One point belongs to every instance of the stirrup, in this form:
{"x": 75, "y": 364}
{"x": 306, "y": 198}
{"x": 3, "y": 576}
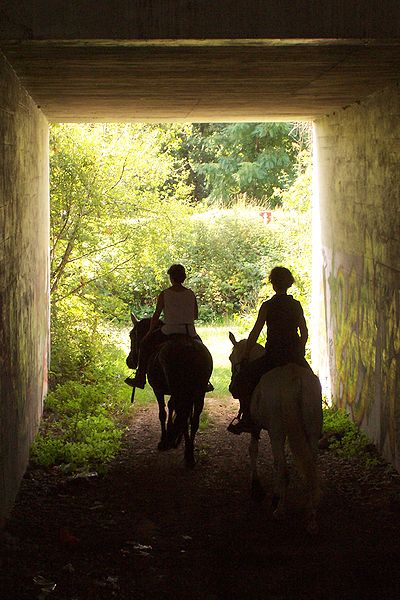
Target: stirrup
{"x": 135, "y": 383}
{"x": 240, "y": 427}
{"x": 233, "y": 425}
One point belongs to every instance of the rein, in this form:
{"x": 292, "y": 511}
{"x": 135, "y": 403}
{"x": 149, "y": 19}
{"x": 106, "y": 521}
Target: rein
{"x": 236, "y": 367}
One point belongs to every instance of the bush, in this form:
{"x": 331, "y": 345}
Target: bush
{"x": 83, "y": 347}
{"x": 346, "y": 439}
{"x": 87, "y": 395}
{"x": 79, "y": 428}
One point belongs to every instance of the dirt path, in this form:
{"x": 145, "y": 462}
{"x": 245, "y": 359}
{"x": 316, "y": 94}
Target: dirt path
{"x": 151, "y": 529}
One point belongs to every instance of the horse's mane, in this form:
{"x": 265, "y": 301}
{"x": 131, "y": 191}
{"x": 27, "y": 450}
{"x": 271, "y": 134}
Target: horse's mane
{"x": 257, "y": 351}
{"x": 141, "y": 327}
{"x": 240, "y": 347}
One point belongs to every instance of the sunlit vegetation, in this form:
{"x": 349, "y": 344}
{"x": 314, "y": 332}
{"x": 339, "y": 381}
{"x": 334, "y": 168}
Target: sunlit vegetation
{"x": 229, "y": 201}
{"x": 343, "y": 437}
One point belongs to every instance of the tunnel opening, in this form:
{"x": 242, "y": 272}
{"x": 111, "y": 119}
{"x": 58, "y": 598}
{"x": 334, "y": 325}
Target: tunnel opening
{"x": 117, "y": 221}
{"x": 350, "y": 89}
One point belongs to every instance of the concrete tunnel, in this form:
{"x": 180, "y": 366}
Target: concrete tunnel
{"x": 333, "y": 62}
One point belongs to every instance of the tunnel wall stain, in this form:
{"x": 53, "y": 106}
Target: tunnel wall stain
{"x": 24, "y": 287}
{"x": 359, "y": 192}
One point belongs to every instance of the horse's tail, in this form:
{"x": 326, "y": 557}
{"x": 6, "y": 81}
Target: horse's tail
{"x": 187, "y": 367}
{"x": 300, "y": 414}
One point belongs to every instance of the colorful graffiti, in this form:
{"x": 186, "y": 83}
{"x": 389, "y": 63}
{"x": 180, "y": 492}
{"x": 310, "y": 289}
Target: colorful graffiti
{"x": 364, "y": 343}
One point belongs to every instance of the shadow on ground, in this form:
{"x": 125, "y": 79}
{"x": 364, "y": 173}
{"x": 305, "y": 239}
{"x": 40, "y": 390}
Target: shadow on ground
{"x": 151, "y": 529}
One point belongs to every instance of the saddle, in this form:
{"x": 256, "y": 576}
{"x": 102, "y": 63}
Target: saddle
{"x": 179, "y": 341}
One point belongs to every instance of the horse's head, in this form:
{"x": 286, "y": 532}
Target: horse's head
{"x": 238, "y": 351}
{"x": 137, "y": 333}
{"x": 238, "y": 358}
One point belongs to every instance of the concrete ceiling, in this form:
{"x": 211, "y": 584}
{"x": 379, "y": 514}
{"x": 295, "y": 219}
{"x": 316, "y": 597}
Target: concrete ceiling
{"x": 203, "y": 81}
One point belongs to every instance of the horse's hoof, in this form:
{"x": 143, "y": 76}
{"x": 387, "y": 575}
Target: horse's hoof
{"x": 275, "y": 501}
{"x": 190, "y": 461}
{"x": 278, "y": 514}
{"x": 177, "y": 441}
{"x": 163, "y": 445}
{"x": 257, "y": 491}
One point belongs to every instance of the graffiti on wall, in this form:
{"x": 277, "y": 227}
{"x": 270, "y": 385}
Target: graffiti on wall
{"x": 364, "y": 342}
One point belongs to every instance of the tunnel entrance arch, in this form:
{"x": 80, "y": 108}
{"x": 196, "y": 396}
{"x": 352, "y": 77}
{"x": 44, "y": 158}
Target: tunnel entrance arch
{"x": 345, "y": 79}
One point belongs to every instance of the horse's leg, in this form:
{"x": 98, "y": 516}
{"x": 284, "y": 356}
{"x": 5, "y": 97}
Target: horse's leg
{"x": 257, "y": 491}
{"x": 313, "y": 494}
{"x": 280, "y": 473}
{"x": 175, "y": 424}
{"x": 162, "y": 415}
{"x": 194, "y": 427}
{"x": 189, "y": 449}
{"x": 133, "y": 395}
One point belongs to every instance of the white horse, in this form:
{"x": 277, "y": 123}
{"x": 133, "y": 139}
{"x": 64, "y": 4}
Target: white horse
{"x": 287, "y": 402}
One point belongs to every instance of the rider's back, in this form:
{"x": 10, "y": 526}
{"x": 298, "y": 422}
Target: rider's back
{"x": 179, "y": 312}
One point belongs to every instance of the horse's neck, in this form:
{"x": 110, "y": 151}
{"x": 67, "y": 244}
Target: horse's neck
{"x": 256, "y": 352}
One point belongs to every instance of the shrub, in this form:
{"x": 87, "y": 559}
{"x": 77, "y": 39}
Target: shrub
{"x": 346, "y": 439}
{"x": 78, "y": 429}
{"x": 87, "y": 395}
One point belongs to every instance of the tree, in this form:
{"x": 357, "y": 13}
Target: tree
{"x": 244, "y": 159}
{"x": 106, "y": 182}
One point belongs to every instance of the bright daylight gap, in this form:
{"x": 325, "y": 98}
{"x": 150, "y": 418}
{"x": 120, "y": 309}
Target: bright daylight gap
{"x": 228, "y": 200}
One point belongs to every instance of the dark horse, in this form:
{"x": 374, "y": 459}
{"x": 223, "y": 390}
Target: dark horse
{"x": 180, "y": 368}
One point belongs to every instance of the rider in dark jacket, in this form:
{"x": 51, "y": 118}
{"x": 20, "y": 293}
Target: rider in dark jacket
{"x": 287, "y": 335}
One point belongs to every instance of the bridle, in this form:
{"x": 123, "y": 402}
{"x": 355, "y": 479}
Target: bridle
{"x": 235, "y": 369}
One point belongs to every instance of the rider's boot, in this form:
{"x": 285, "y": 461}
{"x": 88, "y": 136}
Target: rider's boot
{"x": 138, "y": 381}
{"x": 243, "y": 424}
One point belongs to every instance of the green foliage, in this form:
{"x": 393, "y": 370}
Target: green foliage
{"x": 107, "y": 183}
{"x": 230, "y": 251}
{"x": 126, "y": 202}
{"x": 83, "y": 348}
{"x": 87, "y": 399}
{"x": 77, "y": 431}
{"x": 82, "y": 443}
{"x": 245, "y": 159}
{"x": 122, "y": 211}
{"x": 346, "y": 439}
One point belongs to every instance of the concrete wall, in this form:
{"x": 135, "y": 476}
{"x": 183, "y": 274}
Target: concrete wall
{"x": 358, "y": 153}
{"x": 24, "y": 289}
{"x": 199, "y": 19}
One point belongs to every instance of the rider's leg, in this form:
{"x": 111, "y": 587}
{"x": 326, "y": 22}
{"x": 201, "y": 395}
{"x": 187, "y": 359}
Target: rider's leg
{"x": 210, "y": 386}
{"x": 244, "y": 423}
{"x": 242, "y": 388}
{"x": 147, "y": 347}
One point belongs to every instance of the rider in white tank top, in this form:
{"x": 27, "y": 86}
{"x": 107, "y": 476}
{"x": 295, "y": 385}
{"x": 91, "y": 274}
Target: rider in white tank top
{"x": 179, "y": 306}
{"x": 179, "y": 312}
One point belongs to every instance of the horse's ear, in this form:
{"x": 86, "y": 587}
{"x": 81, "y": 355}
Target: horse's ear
{"x": 232, "y": 338}
{"x": 134, "y": 319}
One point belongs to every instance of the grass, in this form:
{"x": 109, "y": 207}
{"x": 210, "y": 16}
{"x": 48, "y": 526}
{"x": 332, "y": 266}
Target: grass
{"x": 217, "y": 341}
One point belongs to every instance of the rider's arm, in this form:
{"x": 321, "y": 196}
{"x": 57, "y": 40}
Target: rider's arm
{"x": 258, "y": 325}
{"x": 156, "y": 315}
{"x": 303, "y": 331}
{"x": 196, "y": 309}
